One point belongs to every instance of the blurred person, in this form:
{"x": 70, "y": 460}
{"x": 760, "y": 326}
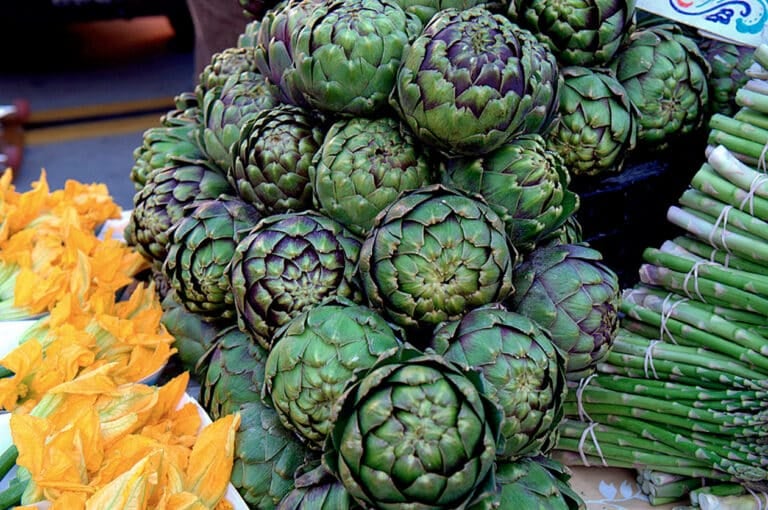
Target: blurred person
{"x": 218, "y": 24}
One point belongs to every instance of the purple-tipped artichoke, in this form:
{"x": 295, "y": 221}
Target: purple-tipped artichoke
{"x": 524, "y": 182}
{"x": 226, "y": 109}
{"x": 567, "y": 290}
{"x": 473, "y": 80}
{"x": 579, "y": 32}
{"x": 287, "y": 264}
{"x": 201, "y": 246}
{"x": 225, "y": 64}
{"x": 730, "y": 63}
{"x": 274, "y": 50}
{"x": 522, "y": 370}
{"x": 434, "y": 254}
{"x": 347, "y": 53}
{"x": 271, "y": 160}
{"x": 362, "y": 166}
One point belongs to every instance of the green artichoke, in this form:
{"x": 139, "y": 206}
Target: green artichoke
{"x": 250, "y": 34}
{"x": 597, "y": 125}
{"x": 202, "y": 244}
{"x": 362, "y": 166}
{"x": 160, "y": 204}
{"x": 346, "y": 54}
{"x": 666, "y": 78}
{"x": 318, "y": 489}
{"x": 524, "y": 183}
{"x": 579, "y": 32}
{"x": 267, "y": 456}
{"x": 434, "y": 254}
{"x": 415, "y": 432}
{"x": 730, "y": 63}
{"x": 315, "y": 357}
{"x": 233, "y": 372}
{"x": 474, "y": 80}
{"x": 162, "y": 146}
{"x": 271, "y": 160}
{"x": 193, "y": 336}
{"x": 523, "y": 373}
{"x": 225, "y": 109}
{"x": 567, "y": 290}
{"x": 225, "y": 64}
{"x": 532, "y": 483}
{"x": 288, "y": 263}
{"x": 274, "y": 50}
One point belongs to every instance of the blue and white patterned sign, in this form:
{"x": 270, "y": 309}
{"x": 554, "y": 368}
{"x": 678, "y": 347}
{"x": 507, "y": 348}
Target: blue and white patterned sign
{"x": 741, "y": 21}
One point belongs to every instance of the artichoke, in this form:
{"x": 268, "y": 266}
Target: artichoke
{"x": 434, "y": 254}
{"x": 248, "y": 38}
{"x": 162, "y": 146}
{"x": 665, "y": 76}
{"x": 271, "y": 160}
{"x": 226, "y": 109}
{"x": 362, "y": 166}
{"x": 202, "y": 244}
{"x": 317, "y": 489}
{"x": 524, "y": 183}
{"x": 314, "y": 359}
{"x": 579, "y": 32}
{"x": 523, "y": 372}
{"x": 567, "y": 290}
{"x": 474, "y": 80}
{"x": 597, "y": 125}
{"x": 160, "y": 204}
{"x": 233, "y": 372}
{"x": 415, "y": 432}
{"x": 730, "y": 63}
{"x": 274, "y": 49}
{"x": 225, "y": 64}
{"x": 266, "y": 457}
{"x": 532, "y": 483}
{"x": 288, "y": 263}
{"x": 346, "y": 54}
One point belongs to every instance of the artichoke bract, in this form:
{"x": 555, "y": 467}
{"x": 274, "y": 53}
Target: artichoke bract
{"x": 523, "y": 373}
{"x": 415, "y": 432}
{"x": 567, "y": 290}
{"x": 425, "y": 9}
{"x": 597, "y": 125}
{"x": 287, "y": 264}
{"x": 524, "y": 182}
{"x": 579, "y": 32}
{"x": 434, "y": 254}
{"x": 666, "y": 78}
{"x": 267, "y": 457}
{"x": 274, "y": 49}
{"x": 346, "y": 54}
{"x": 362, "y": 166}
{"x": 315, "y": 357}
{"x": 225, "y": 109}
{"x": 473, "y": 80}
{"x": 532, "y": 483}
{"x": 234, "y": 372}
{"x": 271, "y": 159}
{"x": 160, "y": 204}
{"x": 202, "y": 244}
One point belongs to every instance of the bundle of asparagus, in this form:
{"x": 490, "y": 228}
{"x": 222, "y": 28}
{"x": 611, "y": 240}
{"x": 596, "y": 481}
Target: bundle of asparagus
{"x": 682, "y": 396}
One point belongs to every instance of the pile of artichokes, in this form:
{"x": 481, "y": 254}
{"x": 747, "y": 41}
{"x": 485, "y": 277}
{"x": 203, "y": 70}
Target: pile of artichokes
{"x": 362, "y": 226}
